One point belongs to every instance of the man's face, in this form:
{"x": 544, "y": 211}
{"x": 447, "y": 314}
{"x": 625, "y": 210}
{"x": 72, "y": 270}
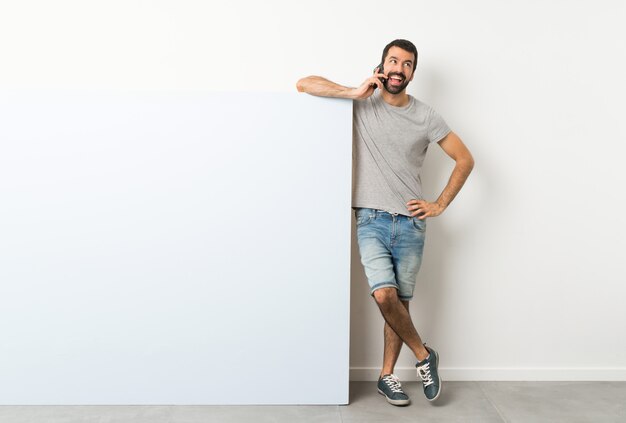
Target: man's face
{"x": 398, "y": 67}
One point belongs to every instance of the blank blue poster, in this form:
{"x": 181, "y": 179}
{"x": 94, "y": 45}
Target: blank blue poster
{"x": 174, "y": 248}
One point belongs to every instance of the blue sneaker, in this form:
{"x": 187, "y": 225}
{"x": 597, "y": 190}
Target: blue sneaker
{"x": 389, "y": 386}
{"x": 427, "y": 370}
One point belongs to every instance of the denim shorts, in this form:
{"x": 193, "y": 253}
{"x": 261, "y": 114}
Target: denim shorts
{"x": 391, "y": 247}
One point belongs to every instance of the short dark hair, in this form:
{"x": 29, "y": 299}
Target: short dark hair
{"x": 404, "y": 45}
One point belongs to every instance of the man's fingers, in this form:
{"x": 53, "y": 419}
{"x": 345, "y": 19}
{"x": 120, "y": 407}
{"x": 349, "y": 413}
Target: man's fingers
{"x": 375, "y": 81}
{"x": 416, "y": 202}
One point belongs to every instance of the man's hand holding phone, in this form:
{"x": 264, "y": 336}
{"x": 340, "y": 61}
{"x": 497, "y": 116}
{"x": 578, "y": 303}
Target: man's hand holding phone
{"x": 369, "y": 85}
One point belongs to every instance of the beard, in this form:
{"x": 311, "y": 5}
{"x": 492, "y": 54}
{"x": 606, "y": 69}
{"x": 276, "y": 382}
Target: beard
{"x": 395, "y": 89}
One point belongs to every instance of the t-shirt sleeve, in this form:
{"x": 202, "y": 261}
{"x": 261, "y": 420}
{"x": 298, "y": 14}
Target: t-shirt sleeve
{"x": 437, "y": 127}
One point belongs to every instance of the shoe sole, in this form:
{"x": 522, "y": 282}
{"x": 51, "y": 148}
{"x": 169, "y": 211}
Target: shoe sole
{"x": 438, "y": 377}
{"x": 395, "y": 402}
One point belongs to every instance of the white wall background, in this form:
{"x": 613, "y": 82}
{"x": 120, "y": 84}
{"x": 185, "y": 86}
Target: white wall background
{"x": 523, "y": 275}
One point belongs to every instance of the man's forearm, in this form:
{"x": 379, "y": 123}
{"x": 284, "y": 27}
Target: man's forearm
{"x": 316, "y": 85}
{"x": 461, "y": 171}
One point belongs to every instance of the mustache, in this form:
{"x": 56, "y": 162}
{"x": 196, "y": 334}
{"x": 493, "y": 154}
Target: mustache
{"x": 389, "y": 75}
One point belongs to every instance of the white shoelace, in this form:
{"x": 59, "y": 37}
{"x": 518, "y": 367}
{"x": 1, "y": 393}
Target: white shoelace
{"x": 393, "y": 382}
{"x": 424, "y": 373}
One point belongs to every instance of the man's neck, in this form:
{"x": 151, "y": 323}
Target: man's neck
{"x": 399, "y": 100}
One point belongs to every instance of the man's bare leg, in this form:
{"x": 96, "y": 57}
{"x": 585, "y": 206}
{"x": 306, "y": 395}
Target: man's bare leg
{"x": 398, "y": 318}
{"x": 393, "y": 345}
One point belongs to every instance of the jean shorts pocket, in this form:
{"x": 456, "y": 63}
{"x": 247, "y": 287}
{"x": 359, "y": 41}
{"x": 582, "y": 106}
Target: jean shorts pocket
{"x": 363, "y": 217}
{"x": 419, "y": 224}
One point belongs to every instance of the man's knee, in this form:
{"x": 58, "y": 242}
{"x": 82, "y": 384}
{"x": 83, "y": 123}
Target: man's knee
{"x": 386, "y": 296}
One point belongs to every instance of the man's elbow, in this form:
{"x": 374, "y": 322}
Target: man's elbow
{"x": 465, "y": 161}
{"x": 301, "y": 85}
{"x": 307, "y": 84}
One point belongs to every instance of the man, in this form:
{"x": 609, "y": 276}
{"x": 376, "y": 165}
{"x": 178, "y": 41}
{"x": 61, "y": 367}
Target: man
{"x": 391, "y": 133}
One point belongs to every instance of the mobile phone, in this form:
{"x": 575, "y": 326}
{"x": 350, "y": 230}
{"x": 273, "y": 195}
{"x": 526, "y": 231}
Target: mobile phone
{"x": 380, "y": 70}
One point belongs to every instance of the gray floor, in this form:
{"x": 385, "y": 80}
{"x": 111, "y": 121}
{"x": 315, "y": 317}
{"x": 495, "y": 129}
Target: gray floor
{"x": 460, "y": 402}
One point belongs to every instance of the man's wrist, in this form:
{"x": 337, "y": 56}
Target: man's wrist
{"x": 441, "y": 205}
{"x": 351, "y": 93}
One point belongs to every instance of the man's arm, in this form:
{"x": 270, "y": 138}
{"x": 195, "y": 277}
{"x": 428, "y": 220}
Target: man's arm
{"x": 316, "y": 85}
{"x": 454, "y": 147}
